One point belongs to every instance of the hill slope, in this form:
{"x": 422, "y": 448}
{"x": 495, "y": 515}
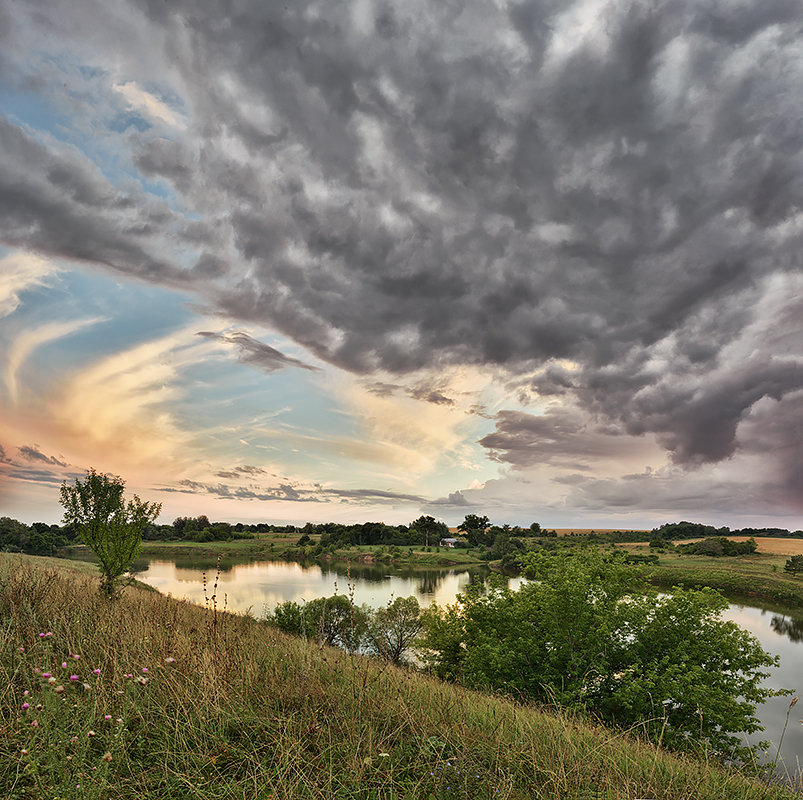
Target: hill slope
{"x": 149, "y": 697}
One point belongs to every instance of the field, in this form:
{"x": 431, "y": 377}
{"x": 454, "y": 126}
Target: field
{"x": 758, "y": 575}
{"x": 157, "y": 699}
{"x": 769, "y": 546}
{"x": 586, "y": 531}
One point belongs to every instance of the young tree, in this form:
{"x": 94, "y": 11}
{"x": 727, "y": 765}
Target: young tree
{"x": 111, "y": 527}
{"x": 393, "y": 629}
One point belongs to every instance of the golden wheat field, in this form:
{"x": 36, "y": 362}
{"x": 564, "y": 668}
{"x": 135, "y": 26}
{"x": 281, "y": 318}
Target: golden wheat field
{"x": 775, "y": 547}
{"x": 581, "y": 531}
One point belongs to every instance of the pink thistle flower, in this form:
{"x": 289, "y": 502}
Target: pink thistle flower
{"x": 107, "y": 716}
{"x": 96, "y": 672}
{"x": 25, "y": 706}
{"x": 73, "y": 677}
{"x": 41, "y": 636}
{"x": 46, "y": 675}
{"x": 144, "y": 669}
{"x": 64, "y": 665}
{"x": 48, "y": 634}
{"x": 25, "y": 693}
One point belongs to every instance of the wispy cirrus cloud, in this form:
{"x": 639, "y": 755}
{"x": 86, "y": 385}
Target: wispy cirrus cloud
{"x": 19, "y": 272}
{"x": 29, "y": 340}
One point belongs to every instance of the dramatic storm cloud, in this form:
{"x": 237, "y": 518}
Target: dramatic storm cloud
{"x": 593, "y": 209}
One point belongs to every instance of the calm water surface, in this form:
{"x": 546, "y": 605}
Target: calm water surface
{"x": 260, "y": 586}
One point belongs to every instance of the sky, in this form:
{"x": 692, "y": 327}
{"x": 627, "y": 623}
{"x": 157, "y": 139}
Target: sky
{"x": 368, "y": 260}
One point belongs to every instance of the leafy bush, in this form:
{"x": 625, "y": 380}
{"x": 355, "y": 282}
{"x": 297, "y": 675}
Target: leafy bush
{"x": 581, "y": 638}
{"x": 794, "y": 565}
{"x": 718, "y": 546}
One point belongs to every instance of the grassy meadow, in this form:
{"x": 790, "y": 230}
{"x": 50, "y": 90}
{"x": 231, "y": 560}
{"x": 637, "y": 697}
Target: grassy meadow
{"x": 760, "y": 574}
{"x": 150, "y": 697}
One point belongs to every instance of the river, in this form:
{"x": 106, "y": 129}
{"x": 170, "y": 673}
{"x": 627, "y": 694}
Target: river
{"x": 260, "y": 586}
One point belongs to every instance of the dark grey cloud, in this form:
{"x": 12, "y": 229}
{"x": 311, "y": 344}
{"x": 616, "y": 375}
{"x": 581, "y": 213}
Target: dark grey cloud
{"x": 53, "y": 200}
{"x": 249, "y": 469}
{"x": 289, "y": 492}
{"x": 427, "y": 392}
{"x": 256, "y": 353}
{"x": 374, "y": 496}
{"x": 381, "y": 388}
{"x": 33, "y": 453}
{"x": 32, "y": 466}
{"x": 453, "y": 499}
{"x": 412, "y": 187}
{"x": 562, "y": 437}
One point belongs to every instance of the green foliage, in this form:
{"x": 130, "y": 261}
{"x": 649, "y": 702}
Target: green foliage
{"x": 475, "y": 528}
{"x": 637, "y": 558}
{"x": 38, "y": 539}
{"x": 393, "y": 629}
{"x": 333, "y": 621}
{"x": 111, "y": 527}
{"x": 430, "y": 529}
{"x": 718, "y": 546}
{"x": 579, "y": 636}
{"x": 794, "y": 565}
{"x": 657, "y": 543}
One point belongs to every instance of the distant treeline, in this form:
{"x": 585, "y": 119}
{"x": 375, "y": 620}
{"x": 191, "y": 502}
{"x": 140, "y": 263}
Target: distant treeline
{"x": 40, "y": 538}
{"x": 685, "y": 530}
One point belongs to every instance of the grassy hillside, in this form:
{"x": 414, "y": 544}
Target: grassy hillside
{"x": 149, "y": 697}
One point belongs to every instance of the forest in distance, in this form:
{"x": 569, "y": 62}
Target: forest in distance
{"x": 40, "y": 538}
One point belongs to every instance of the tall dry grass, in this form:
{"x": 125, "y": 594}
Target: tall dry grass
{"x": 171, "y": 700}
